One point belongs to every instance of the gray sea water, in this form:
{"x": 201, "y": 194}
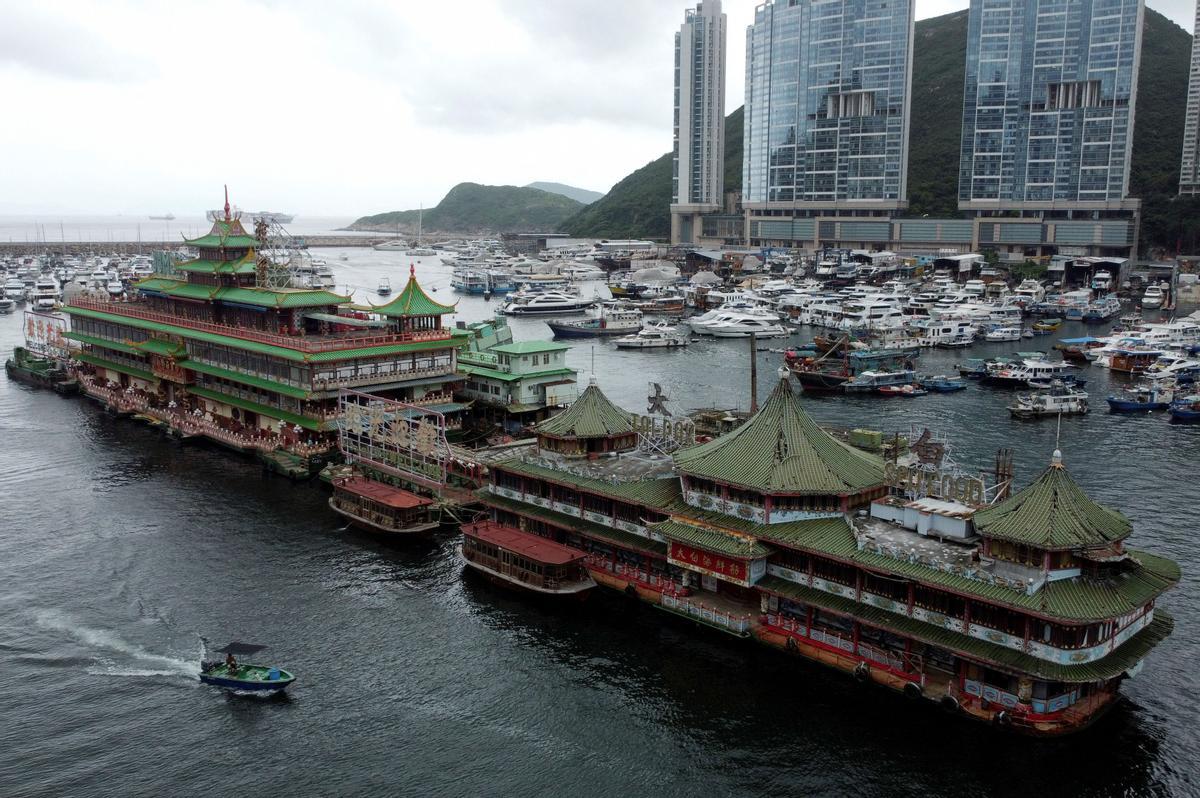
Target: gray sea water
{"x": 119, "y": 549}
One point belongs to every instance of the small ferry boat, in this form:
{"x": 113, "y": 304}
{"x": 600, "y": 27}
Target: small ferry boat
{"x": 1019, "y": 374}
{"x": 515, "y": 558}
{"x": 611, "y": 319}
{"x": 233, "y": 675}
{"x": 1142, "y": 399}
{"x": 1059, "y": 399}
{"x": 379, "y": 507}
{"x": 1186, "y": 410}
{"x": 654, "y": 336}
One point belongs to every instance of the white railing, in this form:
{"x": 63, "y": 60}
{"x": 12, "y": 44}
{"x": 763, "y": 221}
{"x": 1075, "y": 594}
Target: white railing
{"x": 736, "y": 623}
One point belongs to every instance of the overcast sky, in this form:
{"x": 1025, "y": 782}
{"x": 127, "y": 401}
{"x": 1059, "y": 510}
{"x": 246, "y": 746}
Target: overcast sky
{"x": 337, "y": 108}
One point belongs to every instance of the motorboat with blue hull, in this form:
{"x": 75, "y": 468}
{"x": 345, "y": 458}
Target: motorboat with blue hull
{"x": 1186, "y": 410}
{"x": 942, "y": 383}
{"x": 233, "y": 675}
{"x": 1142, "y": 399}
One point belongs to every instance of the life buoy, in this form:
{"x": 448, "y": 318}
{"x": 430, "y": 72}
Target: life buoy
{"x": 1002, "y": 718}
{"x": 862, "y": 672}
{"x": 949, "y": 703}
{"x": 912, "y": 690}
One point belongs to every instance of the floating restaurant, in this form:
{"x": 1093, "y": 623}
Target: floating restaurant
{"x": 1026, "y": 610}
{"x": 210, "y": 352}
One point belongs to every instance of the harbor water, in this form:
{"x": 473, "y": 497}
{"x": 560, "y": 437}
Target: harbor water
{"x": 120, "y": 549}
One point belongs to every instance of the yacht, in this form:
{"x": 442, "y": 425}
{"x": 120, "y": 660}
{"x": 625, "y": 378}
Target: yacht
{"x": 1154, "y": 296}
{"x": 611, "y": 319}
{"x": 704, "y": 323}
{"x": 385, "y": 287}
{"x": 421, "y": 252}
{"x": 115, "y": 288}
{"x": 14, "y": 289}
{"x": 1102, "y": 281}
{"x": 545, "y": 303}
{"x": 872, "y": 380}
{"x": 46, "y": 293}
{"x": 1003, "y": 334}
{"x": 654, "y": 336}
{"x": 396, "y": 245}
{"x": 744, "y": 326}
{"x": 481, "y": 281}
{"x": 1029, "y": 292}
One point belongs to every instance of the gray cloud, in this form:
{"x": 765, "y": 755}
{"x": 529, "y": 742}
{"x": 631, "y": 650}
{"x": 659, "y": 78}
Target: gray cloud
{"x": 36, "y": 40}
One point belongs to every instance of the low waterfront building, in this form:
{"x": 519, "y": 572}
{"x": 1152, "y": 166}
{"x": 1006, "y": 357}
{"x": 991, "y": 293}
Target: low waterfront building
{"x": 209, "y": 352}
{"x": 521, "y": 383}
{"x": 1029, "y": 611}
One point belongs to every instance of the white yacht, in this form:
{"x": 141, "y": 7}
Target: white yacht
{"x": 1029, "y": 292}
{"x": 704, "y": 323}
{"x": 545, "y": 303}
{"x": 1059, "y": 399}
{"x": 1003, "y": 334}
{"x": 115, "y": 288}
{"x": 395, "y": 245}
{"x": 14, "y": 289}
{"x": 746, "y": 325}
{"x": 46, "y": 293}
{"x": 385, "y": 286}
{"x": 1154, "y": 296}
{"x": 652, "y": 336}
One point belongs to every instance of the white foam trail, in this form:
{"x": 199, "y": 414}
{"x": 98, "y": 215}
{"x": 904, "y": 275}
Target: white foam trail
{"x": 105, "y": 640}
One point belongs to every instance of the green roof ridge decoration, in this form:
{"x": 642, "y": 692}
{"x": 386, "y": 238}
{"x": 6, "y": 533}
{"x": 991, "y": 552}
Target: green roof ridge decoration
{"x": 780, "y": 449}
{"x": 592, "y": 415}
{"x": 1054, "y": 513}
{"x": 247, "y": 264}
{"x": 413, "y": 301}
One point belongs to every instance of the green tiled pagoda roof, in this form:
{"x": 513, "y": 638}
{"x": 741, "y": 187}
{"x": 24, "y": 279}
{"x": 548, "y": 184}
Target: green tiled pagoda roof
{"x": 224, "y": 233}
{"x": 587, "y": 528}
{"x": 1123, "y": 658}
{"x": 247, "y": 379}
{"x": 652, "y": 493}
{"x": 1052, "y": 513}
{"x": 413, "y": 301}
{"x": 261, "y": 297}
{"x": 483, "y": 371}
{"x": 592, "y": 415}
{"x": 243, "y": 265}
{"x": 255, "y": 407}
{"x": 782, "y": 450}
{"x": 132, "y": 371}
{"x": 712, "y": 540}
{"x": 115, "y": 346}
{"x": 254, "y": 346}
{"x": 528, "y": 347}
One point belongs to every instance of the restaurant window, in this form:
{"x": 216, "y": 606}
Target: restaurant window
{"x": 939, "y": 601}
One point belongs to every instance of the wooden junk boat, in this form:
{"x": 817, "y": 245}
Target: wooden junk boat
{"x": 514, "y": 558}
{"x": 379, "y": 507}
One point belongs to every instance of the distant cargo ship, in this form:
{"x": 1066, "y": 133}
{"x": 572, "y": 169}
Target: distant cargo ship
{"x": 164, "y": 218}
{"x": 271, "y": 217}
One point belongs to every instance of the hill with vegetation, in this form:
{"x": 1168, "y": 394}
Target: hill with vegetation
{"x": 577, "y": 194}
{"x": 637, "y": 206}
{"x": 474, "y": 209}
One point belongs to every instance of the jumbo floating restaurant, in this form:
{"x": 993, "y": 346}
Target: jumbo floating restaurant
{"x": 1027, "y": 612}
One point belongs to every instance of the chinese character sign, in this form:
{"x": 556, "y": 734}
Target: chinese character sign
{"x": 697, "y": 560}
{"x": 44, "y": 334}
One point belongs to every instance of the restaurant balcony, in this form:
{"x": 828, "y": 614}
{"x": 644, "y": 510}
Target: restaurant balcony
{"x": 396, "y": 375}
{"x": 329, "y": 342}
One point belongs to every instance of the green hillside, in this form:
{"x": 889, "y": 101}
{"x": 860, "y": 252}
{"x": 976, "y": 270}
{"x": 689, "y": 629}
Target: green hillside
{"x": 637, "y": 206}
{"x": 472, "y": 208}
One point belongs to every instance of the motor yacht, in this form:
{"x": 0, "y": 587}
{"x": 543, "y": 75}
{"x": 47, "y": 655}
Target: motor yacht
{"x": 1003, "y": 334}
{"x": 744, "y": 326}
{"x": 1153, "y": 297}
{"x": 545, "y": 303}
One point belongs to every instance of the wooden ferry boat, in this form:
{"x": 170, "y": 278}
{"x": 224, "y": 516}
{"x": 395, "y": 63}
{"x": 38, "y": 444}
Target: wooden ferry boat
{"x": 508, "y": 556}
{"x": 378, "y": 507}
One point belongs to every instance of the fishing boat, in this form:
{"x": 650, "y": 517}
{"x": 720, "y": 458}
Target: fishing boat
{"x": 652, "y": 336}
{"x": 1059, "y": 399}
{"x": 514, "y": 558}
{"x": 233, "y": 675}
{"x": 610, "y": 319}
{"x": 973, "y": 368}
{"x": 1142, "y": 399}
{"x": 871, "y": 381}
{"x": 1185, "y": 410}
{"x": 902, "y": 390}
{"x": 379, "y": 507}
{"x": 942, "y": 383}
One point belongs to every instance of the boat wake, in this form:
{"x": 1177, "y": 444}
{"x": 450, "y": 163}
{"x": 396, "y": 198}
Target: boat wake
{"x": 112, "y": 655}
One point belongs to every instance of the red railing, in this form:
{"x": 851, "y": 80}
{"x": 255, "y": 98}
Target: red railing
{"x": 302, "y": 343}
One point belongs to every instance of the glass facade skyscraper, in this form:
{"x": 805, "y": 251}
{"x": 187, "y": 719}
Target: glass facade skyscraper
{"x": 698, "y": 179}
{"x": 1189, "y": 171}
{"x": 1049, "y": 103}
{"x": 828, "y": 90}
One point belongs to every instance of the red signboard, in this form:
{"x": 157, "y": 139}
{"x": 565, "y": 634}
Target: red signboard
{"x": 709, "y": 563}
